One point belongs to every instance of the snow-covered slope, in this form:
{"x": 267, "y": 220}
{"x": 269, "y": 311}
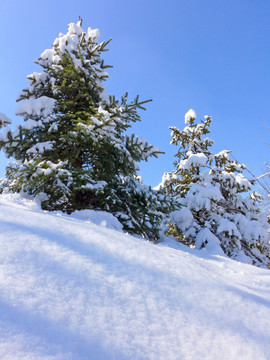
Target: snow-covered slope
{"x": 71, "y": 289}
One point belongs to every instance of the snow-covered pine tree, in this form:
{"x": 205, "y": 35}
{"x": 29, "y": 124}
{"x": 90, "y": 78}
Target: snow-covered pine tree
{"x": 219, "y": 209}
{"x": 73, "y": 146}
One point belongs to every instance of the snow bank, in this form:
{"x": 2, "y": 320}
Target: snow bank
{"x": 74, "y": 290}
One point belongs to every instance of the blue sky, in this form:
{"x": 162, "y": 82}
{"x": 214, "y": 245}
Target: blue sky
{"x": 209, "y": 55}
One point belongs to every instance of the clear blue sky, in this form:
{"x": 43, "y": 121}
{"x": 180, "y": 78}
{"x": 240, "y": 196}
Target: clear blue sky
{"x": 209, "y": 55}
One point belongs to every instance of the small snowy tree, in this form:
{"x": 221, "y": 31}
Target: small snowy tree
{"x": 211, "y": 188}
{"x": 4, "y": 122}
{"x": 73, "y": 146}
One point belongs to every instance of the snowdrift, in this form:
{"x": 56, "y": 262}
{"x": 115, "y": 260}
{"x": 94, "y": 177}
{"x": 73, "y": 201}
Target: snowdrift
{"x": 72, "y": 289}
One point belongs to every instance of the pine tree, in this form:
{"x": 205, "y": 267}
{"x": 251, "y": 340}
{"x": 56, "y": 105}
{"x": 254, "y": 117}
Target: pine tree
{"x": 73, "y": 146}
{"x": 4, "y": 122}
{"x": 212, "y": 187}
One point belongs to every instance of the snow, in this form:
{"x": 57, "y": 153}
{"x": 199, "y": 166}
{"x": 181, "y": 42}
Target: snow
{"x": 243, "y": 181}
{"x": 167, "y": 178}
{"x": 101, "y": 218}
{"x": 73, "y": 29}
{"x": 223, "y": 154}
{"x": 4, "y": 120}
{"x": 36, "y": 107}
{"x": 209, "y": 240}
{"x": 40, "y": 147}
{"x": 182, "y": 218}
{"x": 37, "y": 78}
{"x": 251, "y": 229}
{"x": 194, "y": 160}
{"x": 4, "y": 135}
{"x": 224, "y": 225}
{"x": 32, "y": 124}
{"x": 200, "y": 196}
{"x": 190, "y": 115}
{"x": 74, "y": 290}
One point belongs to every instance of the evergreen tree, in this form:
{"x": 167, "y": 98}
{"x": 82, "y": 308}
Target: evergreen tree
{"x": 211, "y": 188}
{"x": 73, "y": 146}
{"x": 4, "y": 122}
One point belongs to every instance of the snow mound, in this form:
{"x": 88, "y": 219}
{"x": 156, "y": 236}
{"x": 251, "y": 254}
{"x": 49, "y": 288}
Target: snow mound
{"x": 101, "y": 218}
{"x": 74, "y": 290}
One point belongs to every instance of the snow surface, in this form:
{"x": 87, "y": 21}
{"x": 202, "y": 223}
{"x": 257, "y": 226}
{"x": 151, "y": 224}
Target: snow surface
{"x": 71, "y": 289}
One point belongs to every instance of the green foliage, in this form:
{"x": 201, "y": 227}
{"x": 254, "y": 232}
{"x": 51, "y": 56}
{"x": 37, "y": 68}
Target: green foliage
{"x": 144, "y": 209}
